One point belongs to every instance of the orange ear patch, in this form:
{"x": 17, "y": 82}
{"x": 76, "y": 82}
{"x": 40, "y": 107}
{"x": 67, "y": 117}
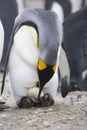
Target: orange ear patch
{"x": 41, "y": 65}
{"x": 54, "y": 68}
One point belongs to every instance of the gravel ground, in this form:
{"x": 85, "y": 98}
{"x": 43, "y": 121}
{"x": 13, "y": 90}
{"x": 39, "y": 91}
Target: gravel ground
{"x": 69, "y": 113}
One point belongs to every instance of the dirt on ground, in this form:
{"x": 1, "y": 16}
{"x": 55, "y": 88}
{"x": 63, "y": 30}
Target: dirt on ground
{"x": 69, "y": 113}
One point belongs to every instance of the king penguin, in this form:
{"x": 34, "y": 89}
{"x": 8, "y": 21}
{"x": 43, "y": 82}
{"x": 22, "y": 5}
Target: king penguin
{"x": 33, "y": 54}
{"x": 61, "y": 7}
{"x": 75, "y": 47}
{"x": 8, "y": 12}
{"x": 1, "y": 39}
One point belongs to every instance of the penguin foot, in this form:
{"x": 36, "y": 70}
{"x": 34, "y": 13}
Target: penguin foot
{"x": 73, "y": 87}
{"x": 45, "y": 101}
{"x": 27, "y": 102}
{"x": 3, "y": 106}
{"x": 65, "y": 88}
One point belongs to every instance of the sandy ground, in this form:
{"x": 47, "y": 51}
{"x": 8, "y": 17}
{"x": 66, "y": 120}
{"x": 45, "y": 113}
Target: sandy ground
{"x": 69, "y": 113}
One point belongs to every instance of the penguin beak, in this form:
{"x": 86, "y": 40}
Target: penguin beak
{"x": 45, "y": 73}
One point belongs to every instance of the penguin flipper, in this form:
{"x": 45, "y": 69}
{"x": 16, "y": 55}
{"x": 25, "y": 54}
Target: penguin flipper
{"x": 64, "y": 87}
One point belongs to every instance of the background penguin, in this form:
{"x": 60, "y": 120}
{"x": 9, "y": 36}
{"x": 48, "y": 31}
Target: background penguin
{"x": 1, "y": 48}
{"x": 33, "y": 56}
{"x": 64, "y": 7}
{"x": 61, "y": 7}
{"x": 8, "y": 12}
{"x": 77, "y": 5}
{"x": 68, "y": 7}
{"x": 1, "y": 39}
{"x": 75, "y": 46}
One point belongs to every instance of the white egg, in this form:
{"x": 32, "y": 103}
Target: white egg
{"x": 34, "y": 91}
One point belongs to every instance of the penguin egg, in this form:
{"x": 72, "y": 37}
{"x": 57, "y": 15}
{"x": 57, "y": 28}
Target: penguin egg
{"x": 34, "y": 91}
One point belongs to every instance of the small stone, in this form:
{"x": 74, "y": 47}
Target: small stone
{"x": 4, "y": 116}
{"x": 50, "y": 109}
{"x": 86, "y": 113}
{"x": 46, "y": 124}
{"x": 34, "y": 116}
{"x": 1, "y": 125}
{"x": 79, "y": 96}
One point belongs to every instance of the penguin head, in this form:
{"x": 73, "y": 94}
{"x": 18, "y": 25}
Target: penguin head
{"x": 45, "y": 73}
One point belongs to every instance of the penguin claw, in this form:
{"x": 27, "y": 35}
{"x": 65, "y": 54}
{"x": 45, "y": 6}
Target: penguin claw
{"x": 45, "y": 101}
{"x": 27, "y": 102}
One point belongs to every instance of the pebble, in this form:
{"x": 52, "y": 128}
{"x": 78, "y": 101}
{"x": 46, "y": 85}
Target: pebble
{"x": 79, "y": 96}
{"x": 46, "y": 124}
{"x": 4, "y": 116}
{"x": 34, "y": 116}
{"x": 1, "y": 125}
{"x": 86, "y": 113}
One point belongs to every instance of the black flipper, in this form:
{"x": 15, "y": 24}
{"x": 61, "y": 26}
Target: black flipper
{"x": 64, "y": 87}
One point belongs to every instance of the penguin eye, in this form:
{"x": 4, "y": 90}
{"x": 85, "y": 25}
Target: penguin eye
{"x": 54, "y": 68}
{"x": 41, "y": 65}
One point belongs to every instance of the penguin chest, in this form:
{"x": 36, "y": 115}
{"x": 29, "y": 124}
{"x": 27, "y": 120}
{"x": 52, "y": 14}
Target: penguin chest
{"x": 23, "y": 58}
